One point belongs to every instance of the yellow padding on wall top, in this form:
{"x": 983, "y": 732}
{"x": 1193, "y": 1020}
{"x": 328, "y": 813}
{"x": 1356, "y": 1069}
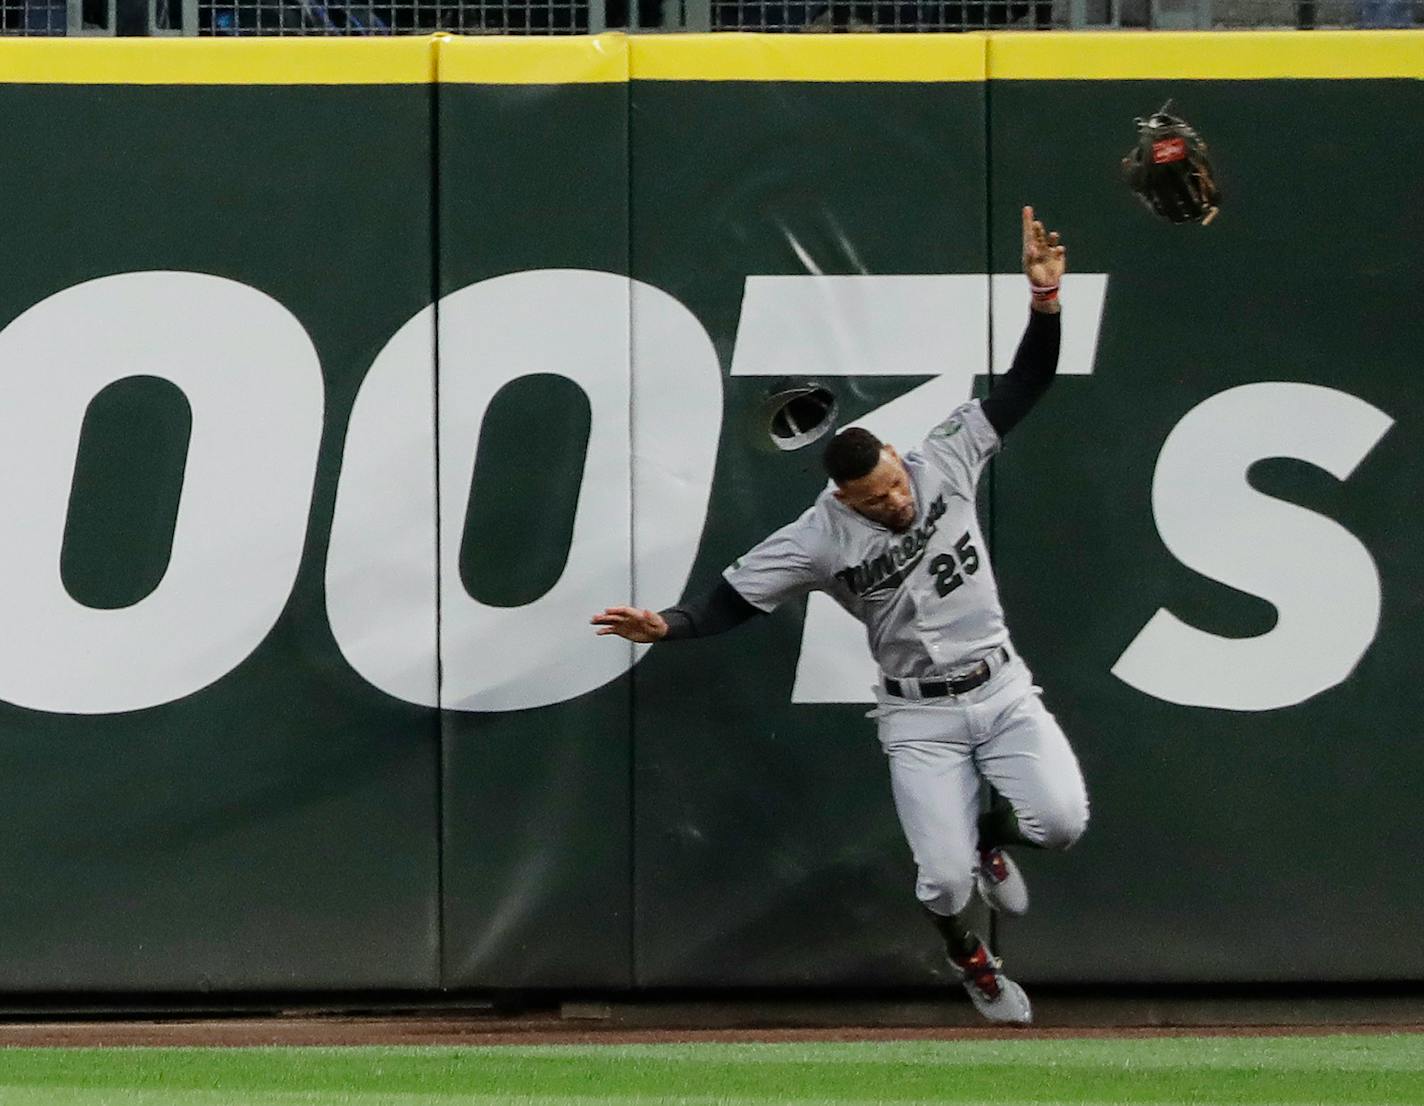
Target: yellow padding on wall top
{"x": 615, "y": 57}
{"x": 1205, "y": 55}
{"x": 489, "y": 59}
{"x": 218, "y": 61}
{"x": 809, "y": 57}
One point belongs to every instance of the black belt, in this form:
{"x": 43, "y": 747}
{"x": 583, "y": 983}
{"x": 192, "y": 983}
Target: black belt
{"x": 938, "y": 689}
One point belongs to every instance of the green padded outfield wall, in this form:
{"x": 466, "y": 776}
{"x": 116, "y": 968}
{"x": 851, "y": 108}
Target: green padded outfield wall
{"x": 200, "y": 792}
{"x": 1244, "y": 457}
{"x": 1247, "y": 777}
{"x": 346, "y": 380}
{"x": 534, "y": 396}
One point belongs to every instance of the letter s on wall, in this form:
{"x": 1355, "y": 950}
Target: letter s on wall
{"x": 1214, "y": 522}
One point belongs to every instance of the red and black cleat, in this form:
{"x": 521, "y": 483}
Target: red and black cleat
{"x": 982, "y": 970}
{"x": 994, "y": 994}
{"x": 1001, "y": 884}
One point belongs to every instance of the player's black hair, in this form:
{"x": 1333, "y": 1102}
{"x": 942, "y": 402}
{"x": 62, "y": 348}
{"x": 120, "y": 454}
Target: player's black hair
{"x": 851, "y": 454}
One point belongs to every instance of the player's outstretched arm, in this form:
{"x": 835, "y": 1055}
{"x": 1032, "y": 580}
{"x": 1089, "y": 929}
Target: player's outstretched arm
{"x": 1045, "y": 259}
{"x": 719, "y": 610}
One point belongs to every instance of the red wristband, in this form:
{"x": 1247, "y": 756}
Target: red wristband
{"x": 1043, "y": 293}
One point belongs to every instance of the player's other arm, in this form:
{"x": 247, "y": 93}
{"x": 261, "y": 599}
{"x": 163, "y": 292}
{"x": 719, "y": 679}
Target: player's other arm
{"x": 1036, "y": 361}
{"x": 716, "y": 612}
{"x": 756, "y": 583}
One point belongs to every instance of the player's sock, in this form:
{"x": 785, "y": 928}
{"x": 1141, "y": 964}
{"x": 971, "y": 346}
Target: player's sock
{"x": 999, "y": 826}
{"x": 959, "y": 941}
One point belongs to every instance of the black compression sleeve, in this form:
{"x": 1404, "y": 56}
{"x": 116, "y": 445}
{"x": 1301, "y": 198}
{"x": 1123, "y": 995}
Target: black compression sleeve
{"x": 1015, "y": 393}
{"x": 723, "y": 608}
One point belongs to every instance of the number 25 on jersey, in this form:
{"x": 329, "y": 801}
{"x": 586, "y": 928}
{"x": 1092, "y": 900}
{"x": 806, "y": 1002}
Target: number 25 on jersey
{"x": 949, "y": 569}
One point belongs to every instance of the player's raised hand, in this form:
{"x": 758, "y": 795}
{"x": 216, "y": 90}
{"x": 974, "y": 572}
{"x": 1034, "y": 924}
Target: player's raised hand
{"x": 1044, "y": 258}
{"x": 632, "y": 623}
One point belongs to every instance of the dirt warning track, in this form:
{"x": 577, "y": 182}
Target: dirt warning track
{"x": 545, "y": 1030}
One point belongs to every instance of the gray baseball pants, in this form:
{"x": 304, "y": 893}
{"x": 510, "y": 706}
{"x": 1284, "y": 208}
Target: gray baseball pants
{"x": 941, "y": 749}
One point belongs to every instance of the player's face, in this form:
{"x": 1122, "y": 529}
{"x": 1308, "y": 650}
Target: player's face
{"x": 883, "y": 494}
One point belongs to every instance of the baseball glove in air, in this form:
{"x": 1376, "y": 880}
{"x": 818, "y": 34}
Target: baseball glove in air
{"x": 1170, "y": 171}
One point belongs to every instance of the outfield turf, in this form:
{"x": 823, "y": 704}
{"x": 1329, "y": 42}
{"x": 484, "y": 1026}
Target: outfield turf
{"x": 1199, "y": 1071}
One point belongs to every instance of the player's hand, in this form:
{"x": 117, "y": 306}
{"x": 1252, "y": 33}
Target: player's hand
{"x": 1044, "y": 258}
{"x": 632, "y": 623}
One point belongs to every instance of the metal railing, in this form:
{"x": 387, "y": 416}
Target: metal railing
{"x": 49, "y": 18}
{"x": 881, "y": 15}
{"x": 396, "y": 17}
{"x": 976, "y": 15}
{"x": 574, "y": 17}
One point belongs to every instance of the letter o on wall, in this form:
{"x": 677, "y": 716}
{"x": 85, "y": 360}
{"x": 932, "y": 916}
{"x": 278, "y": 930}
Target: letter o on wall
{"x": 254, "y": 385}
{"x": 654, "y": 393}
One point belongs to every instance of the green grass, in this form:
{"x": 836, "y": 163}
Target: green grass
{"x": 1283, "y": 1071}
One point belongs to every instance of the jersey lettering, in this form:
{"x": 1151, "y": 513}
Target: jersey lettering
{"x": 887, "y": 570}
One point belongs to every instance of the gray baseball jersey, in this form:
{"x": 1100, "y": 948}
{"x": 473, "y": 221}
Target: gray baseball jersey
{"x": 927, "y": 596}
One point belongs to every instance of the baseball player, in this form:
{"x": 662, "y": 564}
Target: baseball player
{"x": 896, "y": 542}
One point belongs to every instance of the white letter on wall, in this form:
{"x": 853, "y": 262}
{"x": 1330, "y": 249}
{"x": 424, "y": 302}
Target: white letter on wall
{"x": 253, "y": 383}
{"x": 381, "y": 575}
{"x": 574, "y": 324}
{"x": 1321, "y": 580}
{"x": 380, "y": 568}
{"x": 515, "y": 658}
